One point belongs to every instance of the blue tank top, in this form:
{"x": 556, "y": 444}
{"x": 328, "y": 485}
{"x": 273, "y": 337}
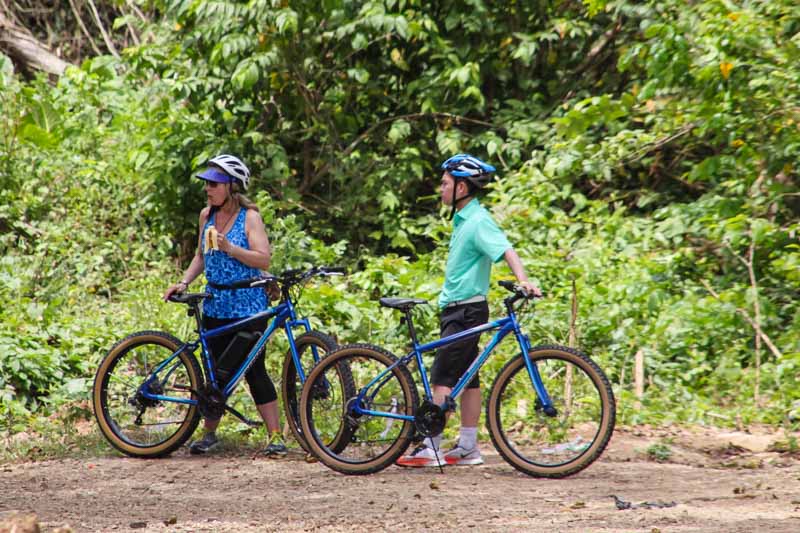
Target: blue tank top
{"x": 223, "y": 269}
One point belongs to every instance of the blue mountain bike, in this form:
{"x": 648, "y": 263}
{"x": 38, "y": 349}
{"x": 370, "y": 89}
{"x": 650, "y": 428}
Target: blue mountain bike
{"x": 550, "y": 411}
{"x": 150, "y": 392}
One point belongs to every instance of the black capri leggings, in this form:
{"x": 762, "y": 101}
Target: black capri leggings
{"x": 261, "y": 387}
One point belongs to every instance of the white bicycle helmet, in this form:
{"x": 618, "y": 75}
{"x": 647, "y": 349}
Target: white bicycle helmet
{"x": 231, "y": 165}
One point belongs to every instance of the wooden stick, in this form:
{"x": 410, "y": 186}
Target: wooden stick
{"x": 638, "y": 377}
{"x": 573, "y": 341}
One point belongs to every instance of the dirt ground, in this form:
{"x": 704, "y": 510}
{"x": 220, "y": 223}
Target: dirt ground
{"x": 719, "y": 481}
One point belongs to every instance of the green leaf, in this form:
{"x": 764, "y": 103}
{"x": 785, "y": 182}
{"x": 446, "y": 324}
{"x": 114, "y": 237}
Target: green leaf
{"x": 397, "y": 58}
{"x": 246, "y": 74}
{"x": 286, "y": 21}
{"x": 40, "y": 137}
{"x": 359, "y": 74}
{"x": 400, "y": 130}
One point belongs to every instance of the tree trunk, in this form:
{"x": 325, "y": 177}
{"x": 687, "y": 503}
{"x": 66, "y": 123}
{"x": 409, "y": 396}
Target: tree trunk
{"x": 24, "y": 49}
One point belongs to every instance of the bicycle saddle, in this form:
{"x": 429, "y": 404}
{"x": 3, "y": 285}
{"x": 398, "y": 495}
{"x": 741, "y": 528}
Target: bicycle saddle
{"x": 403, "y": 304}
{"x": 189, "y": 298}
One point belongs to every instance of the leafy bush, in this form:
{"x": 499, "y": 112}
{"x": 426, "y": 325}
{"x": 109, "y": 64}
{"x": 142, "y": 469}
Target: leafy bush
{"x": 647, "y": 154}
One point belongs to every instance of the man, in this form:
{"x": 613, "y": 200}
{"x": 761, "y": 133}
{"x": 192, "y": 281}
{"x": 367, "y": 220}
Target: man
{"x": 475, "y": 244}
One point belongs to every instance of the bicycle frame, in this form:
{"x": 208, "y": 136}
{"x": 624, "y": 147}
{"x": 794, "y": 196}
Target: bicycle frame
{"x": 284, "y": 316}
{"x": 504, "y": 326}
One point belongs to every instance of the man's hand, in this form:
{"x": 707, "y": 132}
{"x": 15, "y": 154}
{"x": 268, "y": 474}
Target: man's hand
{"x": 530, "y": 289}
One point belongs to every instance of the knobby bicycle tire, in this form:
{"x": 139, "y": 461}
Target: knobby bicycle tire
{"x": 555, "y": 445}
{"x": 398, "y": 384}
{"x": 291, "y": 386}
{"x": 114, "y": 400}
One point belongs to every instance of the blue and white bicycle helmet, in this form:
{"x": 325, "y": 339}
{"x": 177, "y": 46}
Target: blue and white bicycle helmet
{"x": 469, "y": 168}
{"x": 232, "y": 170}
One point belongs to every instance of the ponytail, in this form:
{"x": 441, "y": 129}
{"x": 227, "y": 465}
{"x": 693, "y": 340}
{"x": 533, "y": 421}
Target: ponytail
{"x": 241, "y": 199}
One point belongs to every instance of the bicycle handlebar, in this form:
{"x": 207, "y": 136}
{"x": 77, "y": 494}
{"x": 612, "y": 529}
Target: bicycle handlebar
{"x": 287, "y": 279}
{"x": 519, "y": 292}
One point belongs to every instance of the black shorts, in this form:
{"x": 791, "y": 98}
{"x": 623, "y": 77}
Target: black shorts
{"x": 453, "y": 360}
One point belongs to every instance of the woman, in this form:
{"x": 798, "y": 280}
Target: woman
{"x": 242, "y": 251}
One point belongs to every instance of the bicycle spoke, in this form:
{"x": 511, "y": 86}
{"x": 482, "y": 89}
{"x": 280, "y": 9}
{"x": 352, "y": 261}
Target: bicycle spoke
{"x": 372, "y": 436}
{"x": 561, "y": 440}
{"x": 119, "y": 379}
{"x": 139, "y": 421}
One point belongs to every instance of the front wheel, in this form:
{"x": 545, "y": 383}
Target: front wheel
{"x": 311, "y": 347}
{"x": 555, "y": 442}
{"x": 377, "y": 437}
{"x": 133, "y": 423}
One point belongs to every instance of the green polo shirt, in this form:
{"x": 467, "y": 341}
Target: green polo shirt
{"x": 476, "y": 243}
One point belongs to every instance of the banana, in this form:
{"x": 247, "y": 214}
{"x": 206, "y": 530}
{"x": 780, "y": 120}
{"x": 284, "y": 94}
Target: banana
{"x": 210, "y": 239}
{"x": 214, "y": 234}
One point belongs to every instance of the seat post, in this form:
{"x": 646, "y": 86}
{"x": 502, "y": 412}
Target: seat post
{"x": 411, "y": 330}
{"x": 194, "y": 310}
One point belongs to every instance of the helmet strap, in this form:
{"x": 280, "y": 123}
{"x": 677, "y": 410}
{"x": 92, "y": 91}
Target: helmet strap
{"x": 456, "y": 200}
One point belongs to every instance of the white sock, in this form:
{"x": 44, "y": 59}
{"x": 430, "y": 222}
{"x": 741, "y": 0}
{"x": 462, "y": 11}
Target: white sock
{"x": 468, "y": 438}
{"x": 434, "y": 442}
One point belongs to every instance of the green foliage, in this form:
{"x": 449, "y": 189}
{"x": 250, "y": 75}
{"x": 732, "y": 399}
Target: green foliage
{"x": 660, "y": 451}
{"x": 647, "y": 153}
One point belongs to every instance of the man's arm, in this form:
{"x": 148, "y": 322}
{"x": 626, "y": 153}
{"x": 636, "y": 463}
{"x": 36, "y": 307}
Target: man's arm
{"x": 515, "y": 263}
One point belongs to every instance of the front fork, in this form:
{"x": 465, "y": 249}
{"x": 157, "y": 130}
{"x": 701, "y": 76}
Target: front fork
{"x": 306, "y": 325}
{"x": 543, "y": 400}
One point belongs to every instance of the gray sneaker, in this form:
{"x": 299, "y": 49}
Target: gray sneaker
{"x": 460, "y": 456}
{"x": 276, "y": 446}
{"x": 204, "y": 445}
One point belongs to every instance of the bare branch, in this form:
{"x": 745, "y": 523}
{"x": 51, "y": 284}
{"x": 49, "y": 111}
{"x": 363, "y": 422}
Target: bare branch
{"x": 136, "y": 10}
{"x": 601, "y": 44}
{"x": 772, "y": 348}
{"x": 22, "y": 46}
{"x": 83, "y": 27}
{"x": 458, "y": 119}
{"x": 657, "y": 145}
{"x": 99, "y": 23}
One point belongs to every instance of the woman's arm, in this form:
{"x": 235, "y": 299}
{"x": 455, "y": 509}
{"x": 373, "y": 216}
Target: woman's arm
{"x": 197, "y": 265}
{"x": 259, "y": 254}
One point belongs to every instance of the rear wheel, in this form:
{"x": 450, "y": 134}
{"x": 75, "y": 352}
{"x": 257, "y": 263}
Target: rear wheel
{"x": 376, "y": 441}
{"x": 560, "y": 442}
{"x": 132, "y": 423}
{"x": 311, "y": 347}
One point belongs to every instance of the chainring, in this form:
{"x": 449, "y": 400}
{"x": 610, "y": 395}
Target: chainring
{"x": 211, "y": 402}
{"x": 429, "y": 419}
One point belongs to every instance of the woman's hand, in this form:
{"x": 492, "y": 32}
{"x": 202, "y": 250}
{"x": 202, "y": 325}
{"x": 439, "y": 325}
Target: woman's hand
{"x": 224, "y": 244}
{"x": 178, "y": 287}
